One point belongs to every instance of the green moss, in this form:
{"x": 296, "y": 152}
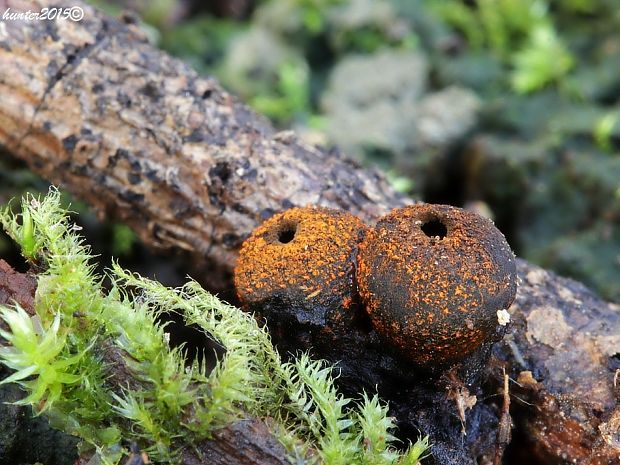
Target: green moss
{"x": 543, "y": 60}
{"x": 520, "y": 33}
{"x": 290, "y": 96}
{"x": 99, "y": 366}
{"x": 123, "y": 239}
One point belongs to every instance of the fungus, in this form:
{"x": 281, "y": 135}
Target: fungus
{"x": 301, "y": 263}
{"x": 433, "y": 279}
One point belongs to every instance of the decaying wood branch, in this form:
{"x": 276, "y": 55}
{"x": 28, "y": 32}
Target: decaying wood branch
{"x": 93, "y": 107}
{"x": 562, "y": 354}
{"x": 140, "y": 136}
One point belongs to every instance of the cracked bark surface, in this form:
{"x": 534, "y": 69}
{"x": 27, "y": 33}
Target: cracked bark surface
{"x": 140, "y": 136}
{"x": 173, "y": 154}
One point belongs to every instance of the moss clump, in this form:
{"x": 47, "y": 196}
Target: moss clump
{"x": 61, "y": 357}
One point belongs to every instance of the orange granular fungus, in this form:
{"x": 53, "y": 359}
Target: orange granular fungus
{"x": 432, "y": 278}
{"x": 304, "y": 257}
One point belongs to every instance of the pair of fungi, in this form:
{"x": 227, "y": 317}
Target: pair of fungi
{"x": 434, "y": 280}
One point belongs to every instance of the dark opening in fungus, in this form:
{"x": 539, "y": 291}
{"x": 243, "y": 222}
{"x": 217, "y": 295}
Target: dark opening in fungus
{"x": 287, "y": 233}
{"x": 435, "y": 228}
{"x": 436, "y": 300}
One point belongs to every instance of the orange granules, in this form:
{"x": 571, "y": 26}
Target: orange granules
{"x": 303, "y": 258}
{"x": 432, "y": 278}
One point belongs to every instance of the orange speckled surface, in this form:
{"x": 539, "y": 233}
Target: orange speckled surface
{"x": 303, "y": 256}
{"x": 436, "y": 294}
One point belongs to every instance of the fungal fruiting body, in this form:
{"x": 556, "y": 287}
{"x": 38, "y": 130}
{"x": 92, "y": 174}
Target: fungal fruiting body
{"x": 433, "y": 278}
{"x": 302, "y": 262}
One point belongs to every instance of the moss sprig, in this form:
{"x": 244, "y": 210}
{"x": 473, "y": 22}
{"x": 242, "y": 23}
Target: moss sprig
{"x": 97, "y": 362}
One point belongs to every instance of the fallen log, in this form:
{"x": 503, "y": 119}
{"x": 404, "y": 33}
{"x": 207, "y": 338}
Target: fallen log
{"x": 93, "y": 107}
{"x": 563, "y": 355}
{"x": 172, "y": 154}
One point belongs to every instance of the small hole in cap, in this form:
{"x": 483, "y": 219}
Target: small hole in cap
{"x": 435, "y": 228}
{"x": 287, "y": 233}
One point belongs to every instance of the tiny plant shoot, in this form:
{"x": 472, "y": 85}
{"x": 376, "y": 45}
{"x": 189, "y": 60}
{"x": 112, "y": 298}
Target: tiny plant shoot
{"x": 98, "y": 365}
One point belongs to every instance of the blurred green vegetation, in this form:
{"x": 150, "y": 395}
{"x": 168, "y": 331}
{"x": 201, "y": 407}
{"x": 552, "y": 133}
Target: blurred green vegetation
{"x": 518, "y": 32}
{"x": 507, "y": 106}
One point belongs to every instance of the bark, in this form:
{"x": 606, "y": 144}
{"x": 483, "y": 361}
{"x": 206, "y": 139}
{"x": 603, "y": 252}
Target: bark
{"x": 92, "y": 106}
{"x": 563, "y": 354}
{"x": 247, "y": 441}
{"x": 140, "y": 136}
{"x": 16, "y": 288}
